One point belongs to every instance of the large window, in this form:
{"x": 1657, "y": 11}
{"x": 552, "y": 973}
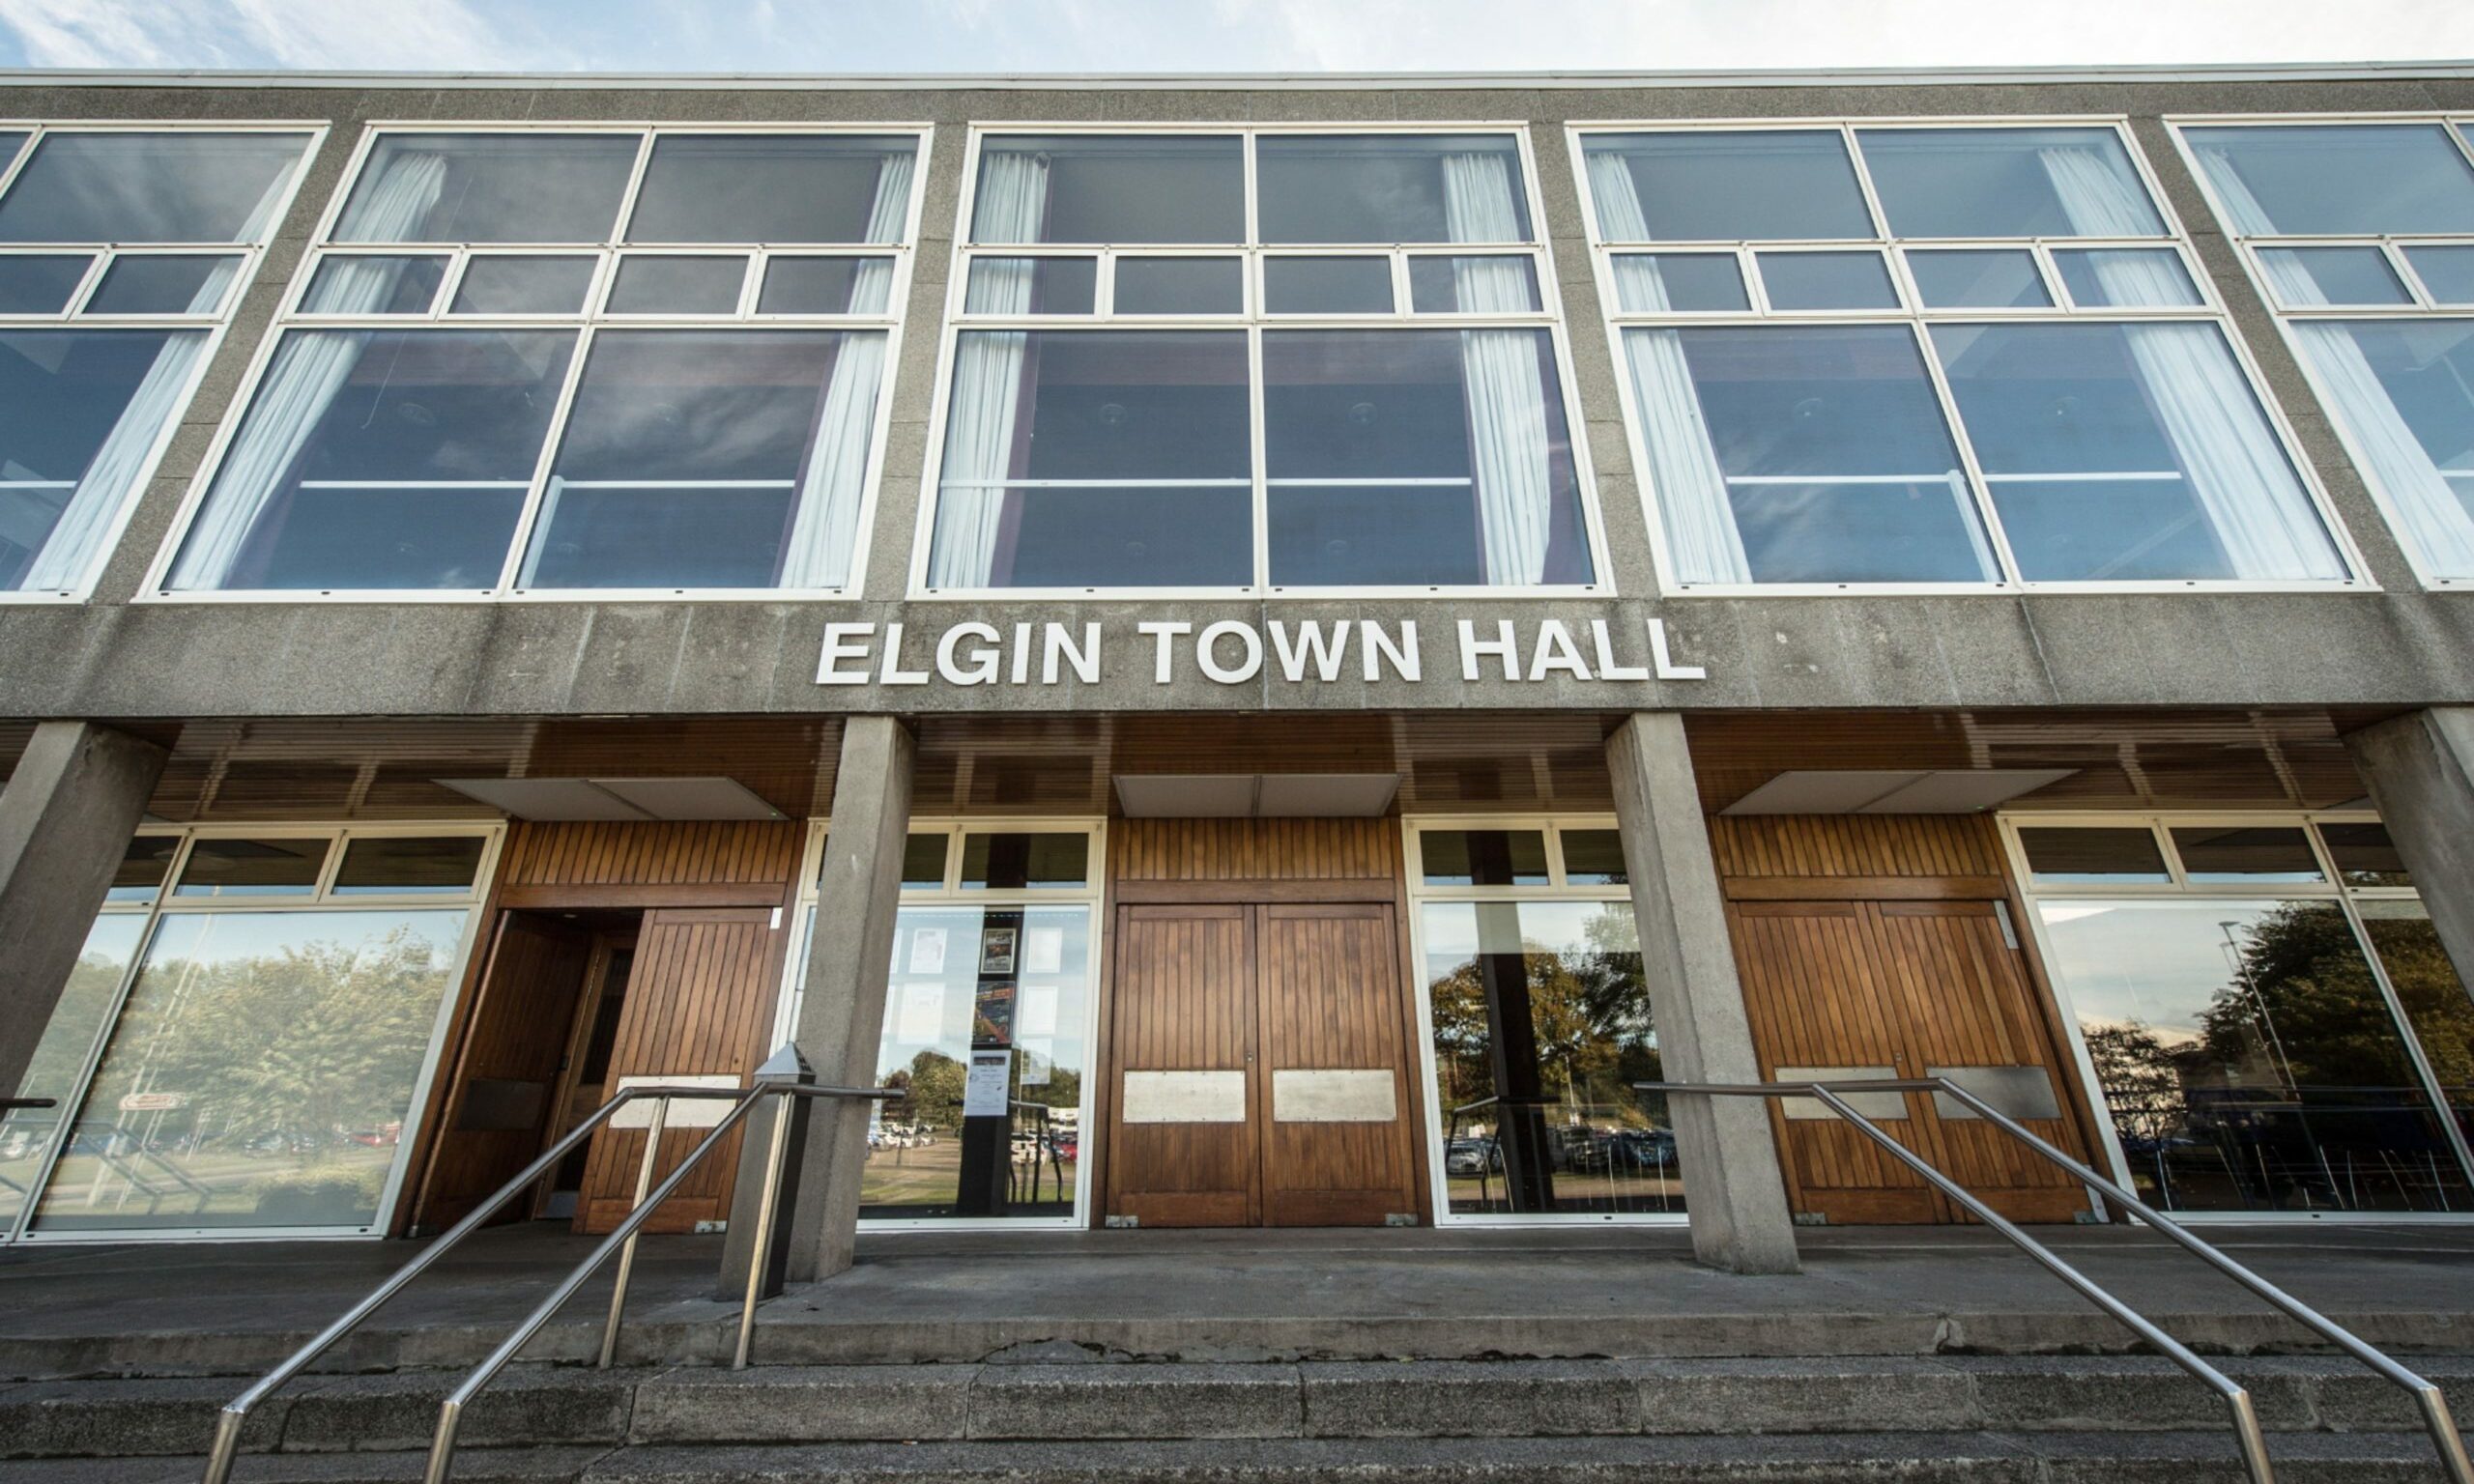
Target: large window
{"x": 248, "y": 1038}
{"x": 1538, "y": 1023}
{"x": 1938, "y": 356}
{"x": 546, "y": 363}
{"x": 1349, "y": 380}
{"x": 2363, "y": 236}
{"x": 988, "y": 1023}
{"x": 2267, "y": 1018}
{"x": 122, "y": 254}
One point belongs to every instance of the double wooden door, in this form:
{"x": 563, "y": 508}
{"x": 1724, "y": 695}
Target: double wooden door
{"x": 1259, "y": 1067}
{"x": 1906, "y": 989}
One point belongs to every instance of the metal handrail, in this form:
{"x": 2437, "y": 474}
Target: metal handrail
{"x": 235, "y": 1415}
{"x": 2246, "y": 1420}
{"x": 26, "y": 1104}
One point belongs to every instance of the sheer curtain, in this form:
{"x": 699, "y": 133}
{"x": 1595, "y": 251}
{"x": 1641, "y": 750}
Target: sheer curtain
{"x": 113, "y": 475}
{"x": 1504, "y": 387}
{"x": 988, "y": 377}
{"x": 1684, "y": 477}
{"x": 2255, "y": 503}
{"x": 308, "y": 371}
{"x": 871, "y": 288}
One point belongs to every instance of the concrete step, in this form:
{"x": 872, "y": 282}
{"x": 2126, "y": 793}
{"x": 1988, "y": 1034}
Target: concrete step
{"x": 1815, "y": 1458}
{"x": 538, "y": 1406}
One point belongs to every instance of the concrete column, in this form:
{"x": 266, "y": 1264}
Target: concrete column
{"x": 842, "y": 1014}
{"x": 66, "y": 820}
{"x": 2421, "y": 772}
{"x": 1733, "y": 1189}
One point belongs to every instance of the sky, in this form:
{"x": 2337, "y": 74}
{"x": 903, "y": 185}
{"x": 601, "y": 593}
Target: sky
{"x": 1286, "y": 36}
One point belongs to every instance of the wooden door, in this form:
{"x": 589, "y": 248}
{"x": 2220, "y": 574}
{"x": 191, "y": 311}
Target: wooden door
{"x": 507, "y": 1074}
{"x": 1335, "y": 1089}
{"x": 1903, "y": 990}
{"x": 1181, "y": 1140}
{"x": 700, "y": 1005}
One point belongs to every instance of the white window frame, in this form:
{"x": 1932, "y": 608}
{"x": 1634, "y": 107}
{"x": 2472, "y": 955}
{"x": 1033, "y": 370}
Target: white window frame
{"x": 1918, "y": 321}
{"x": 587, "y": 322}
{"x": 2161, "y": 824}
{"x": 2391, "y": 244}
{"x": 251, "y": 256}
{"x": 320, "y": 899}
{"x": 949, "y": 893}
{"x": 1556, "y": 889}
{"x": 1253, "y": 324}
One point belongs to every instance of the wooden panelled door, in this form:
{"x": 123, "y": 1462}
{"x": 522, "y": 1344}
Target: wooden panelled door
{"x": 700, "y": 1004}
{"x": 1260, "y": 1069}
{"x": 1905, "y": 988}
{"x": 507, "y": 1072}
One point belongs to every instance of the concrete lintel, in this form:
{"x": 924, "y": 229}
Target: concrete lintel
{"x": 2420, "y": 770}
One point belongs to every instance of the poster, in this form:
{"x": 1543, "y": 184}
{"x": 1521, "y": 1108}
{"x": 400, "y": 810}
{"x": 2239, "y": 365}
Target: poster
{"x": 1044, "y": 950}
{"x": 928, "y": 951}
{"x": 991, "y": 1020}
{"x": 987, "y": 1092}
{"x": 1039, "y": 1009}
{"x": 921, "y": 1019}
{"x": 997, "y": 951}
{"x": 1038, "y": 1056}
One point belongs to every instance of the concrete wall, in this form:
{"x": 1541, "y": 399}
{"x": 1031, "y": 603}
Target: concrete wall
{"x": 2384, "y": 643}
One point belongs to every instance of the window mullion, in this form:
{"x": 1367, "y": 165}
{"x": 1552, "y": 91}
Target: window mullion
{"x": 2006, "y": 561}
{"x": 626, "y": 216}
{"x": 536, "y": 494}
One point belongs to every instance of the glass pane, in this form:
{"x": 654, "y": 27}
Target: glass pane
{"x": 10, "y": 142}
{"x": 2114, "y": 857}
{"x": 2435, "y": 998}
{"x": 252, "y": 868}
{"x": 410, "y": 865}
{"x": 1482, "y": 857}
{"x": 2337, "y": 276}
{"x": 80, "y": 410}
{"x": 2247, "y": 1058}
{"x": 923, "y": 860}
{"x": 1327, "y": 285}
{"x": 489, "y": 188}
{"x": 1687, "y": 282}
{"x": 1180, "y": 286}
{"x": 2007, "y": 182}
{"x": 377, "y": 459}
{"x": 524, "y": 285}
{"x": 825, "y": 286}
{"x": 165, "y": 284}
{"x": 1032, "y": 286}
{"x": 1014, "y": 860}
{"x": 60, "y": 1055}
{"x": 1425, "y": 456}
{"x": 1542, "y": 1025}
{"x": 710, "y": 458}
{"x": 1978, "y": 280}
{"x": 2130, "y": 452}
{"x": 1593, "y": 858}
{"x": 260, "y": 1076}
{"x": 1064, "y": 449}
{"x": 1390, "y": 189}
{"x": 2447, "y": 273}
{"x": 1811, "y": 454}
{"x": 2403, "y": 391}
{"x": 2216, "y": 854}
{"x": 1722, "y": 187}
{"x": 1826, "y": 280}
{"x": 40, "y": 285}
{"x": 1475, "y": 285}
{"x": 1011, "y": 982}
{"x": 774, "y": 188}
{"x": 2365, "y": 855}
{"x": 654, "y": 285}
{"x": 142, "y": 868}
{"x": 374, "y": 284}
{"x": 150, "y": 187}
{"x": 2125, "y": 277}
{"x": 2337, "y": 180}
{"x": 1098, "y": 188}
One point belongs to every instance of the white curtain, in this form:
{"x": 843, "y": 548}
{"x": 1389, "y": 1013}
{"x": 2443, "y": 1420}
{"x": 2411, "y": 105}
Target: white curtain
{"x": 308, "y": 373}
{"x": 1505, "y": 388}
{"x": 112, "y": 475}
{"x": 988, "y": 377}
{"x": 826, "y": 529}
{"x": 1684, "y": 477}
{"x": 871, "y": 288}
{"x": 2253, "y": 502}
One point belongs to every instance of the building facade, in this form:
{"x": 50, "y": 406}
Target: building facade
{"x": 1264, "y": 650}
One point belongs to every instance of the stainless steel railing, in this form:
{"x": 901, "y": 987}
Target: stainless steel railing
{"x": 648, "y": 1198}
{"x": 2237, "y": 1400}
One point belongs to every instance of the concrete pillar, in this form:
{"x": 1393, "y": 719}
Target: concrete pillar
{"x": 2421, "y": 772}
{"x": 66, "y": 820}
{"x": 1733, "y": 1188}
{"x": 842, "y": 1013}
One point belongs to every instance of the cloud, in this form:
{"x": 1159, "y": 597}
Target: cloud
{"x": 283, "y": 34}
